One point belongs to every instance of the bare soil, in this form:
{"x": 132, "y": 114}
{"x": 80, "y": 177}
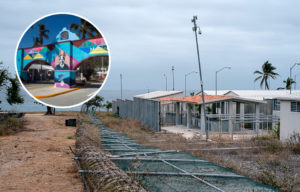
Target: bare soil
{"x": 38, "y": 158}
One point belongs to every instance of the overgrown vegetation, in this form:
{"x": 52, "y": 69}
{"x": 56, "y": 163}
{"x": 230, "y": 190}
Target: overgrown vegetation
{"x": 276, "y": 130}
{"x": 293, "y": 143}
{"x": 11, "y": 86}
{"x": 274, "y": 155}
{"x": 284, "y": 183}
{"x": 96, "y": 102}
{"x": 9, "y": 126}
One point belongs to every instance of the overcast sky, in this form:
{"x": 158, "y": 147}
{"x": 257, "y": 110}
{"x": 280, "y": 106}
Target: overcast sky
{"x": 147, "y": 38}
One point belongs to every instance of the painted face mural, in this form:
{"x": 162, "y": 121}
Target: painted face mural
{"x": 62, "y": 65}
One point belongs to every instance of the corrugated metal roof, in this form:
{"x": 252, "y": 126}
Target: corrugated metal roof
{"x": 157, "y": 94}
{"x": 213, "y": 92}
{"x": 288, "y": 98}
{"x": 165, "y": 100}
{"x": 294, "y": 96}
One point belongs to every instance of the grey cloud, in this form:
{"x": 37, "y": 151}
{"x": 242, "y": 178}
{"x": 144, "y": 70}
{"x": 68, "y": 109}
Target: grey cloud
{"x": 147, "y": 38}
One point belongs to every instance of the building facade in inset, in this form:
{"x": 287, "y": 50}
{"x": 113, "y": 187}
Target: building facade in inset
{"x": 65, "y": 55}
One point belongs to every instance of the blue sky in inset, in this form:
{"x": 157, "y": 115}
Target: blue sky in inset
{"x": 55, "y": 24}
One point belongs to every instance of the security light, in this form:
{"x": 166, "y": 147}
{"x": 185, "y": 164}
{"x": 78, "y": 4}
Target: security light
{"x": 200, "y": 32}
{"x": 229, "y": 67}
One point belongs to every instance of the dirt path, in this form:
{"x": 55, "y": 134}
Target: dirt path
{"x": 37, "y": 159}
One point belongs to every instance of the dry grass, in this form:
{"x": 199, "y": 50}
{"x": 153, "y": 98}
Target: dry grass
{"x": 72, "y": 169}
{"x": 10, "y": 126}
{"x": 223, "y": 138}
{"x": 66, "y": 113}
{"x": 52, "y": 148}
{"x": 266, "y": 154}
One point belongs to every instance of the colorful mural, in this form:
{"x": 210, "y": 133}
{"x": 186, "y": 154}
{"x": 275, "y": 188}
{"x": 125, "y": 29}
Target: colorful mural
{"x": 65, "y": 79}
{"x": 63, "y": 56}
{"x": 62, "y": 61}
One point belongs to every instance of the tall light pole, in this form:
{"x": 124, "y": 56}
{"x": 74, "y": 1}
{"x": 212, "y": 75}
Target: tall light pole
{"x": 295, "y": 80}
{"x": 201, "y": 82}
{"x": 166, "y": 81}
{"x": 121, "y": 84}
{"x": 148, "y": 89}
{"x": 291, "y": 76}
{"x": 185, "y": 81}
{"x": 217, "y": 75}
{"x": 173, "y": 76}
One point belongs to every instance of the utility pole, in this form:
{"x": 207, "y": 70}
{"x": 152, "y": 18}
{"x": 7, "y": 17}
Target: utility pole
{"x": 201, "y": 82}
{"x": 121, "y": 84}
{"x": 173, "y": 76}
{"x": 166, "y": 81}
{"x": 291, "y": 76}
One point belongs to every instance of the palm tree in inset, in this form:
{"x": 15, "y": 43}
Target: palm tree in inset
{"x": 288, "y": 84}
{"x": 36, "y": 42}
{"x": 43, "y": 31}
{"x": 84, "y": 29}
{"x": 266, "y": 73}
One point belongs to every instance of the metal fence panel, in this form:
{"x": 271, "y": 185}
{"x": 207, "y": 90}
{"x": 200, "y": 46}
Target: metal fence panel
{"x": 114, "y": 106}
{"x": 146, "y": 111}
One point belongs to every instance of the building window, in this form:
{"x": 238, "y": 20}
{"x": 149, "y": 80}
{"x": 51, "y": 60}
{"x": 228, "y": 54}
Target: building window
{"x": 276, "y": 105}
{"x": 295, "y": 107}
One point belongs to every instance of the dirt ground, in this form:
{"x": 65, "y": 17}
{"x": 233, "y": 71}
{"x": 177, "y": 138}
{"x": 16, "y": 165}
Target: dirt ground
{"x": 39, "y": 158}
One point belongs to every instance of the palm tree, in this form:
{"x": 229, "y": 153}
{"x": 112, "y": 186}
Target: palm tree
{"x": 108, "y": 105}
{"x": 84, "y": 28}
{"x": 288, "y": 84}
{"x": 36, "y": 42}
{"x": 43, "y": 31}
{"x": 267, "y": 72}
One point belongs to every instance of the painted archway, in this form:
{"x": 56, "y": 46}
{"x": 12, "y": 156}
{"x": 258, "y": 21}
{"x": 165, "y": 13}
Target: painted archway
{"x": 63, "y": 56}
{"x": 34, "y": 62}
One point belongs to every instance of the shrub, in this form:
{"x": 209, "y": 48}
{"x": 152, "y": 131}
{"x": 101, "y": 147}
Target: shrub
{"x": 276, "y": 130}
{"x": 284, "y": 183}
{"x": 293, "y": 143}
{"x": 274, "y": 146}
{"x": 9, "y": 126}
{"x": 262, "y": 138}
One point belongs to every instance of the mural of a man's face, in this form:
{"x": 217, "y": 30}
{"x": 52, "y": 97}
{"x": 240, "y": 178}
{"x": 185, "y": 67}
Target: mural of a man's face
{"x": 61, "y": 60}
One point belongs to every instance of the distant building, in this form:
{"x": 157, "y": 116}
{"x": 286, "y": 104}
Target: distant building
{"x": 266, "y": 95}
{"x": 251, "y": 94}
{"x": 288, "y": 109}
{"x": 160, "y": 94}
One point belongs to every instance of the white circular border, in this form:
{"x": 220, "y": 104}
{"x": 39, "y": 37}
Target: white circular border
{"x": 109, "y": 61}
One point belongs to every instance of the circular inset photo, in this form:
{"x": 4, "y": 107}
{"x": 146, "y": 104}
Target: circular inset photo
{"x": 62, "y": 60}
